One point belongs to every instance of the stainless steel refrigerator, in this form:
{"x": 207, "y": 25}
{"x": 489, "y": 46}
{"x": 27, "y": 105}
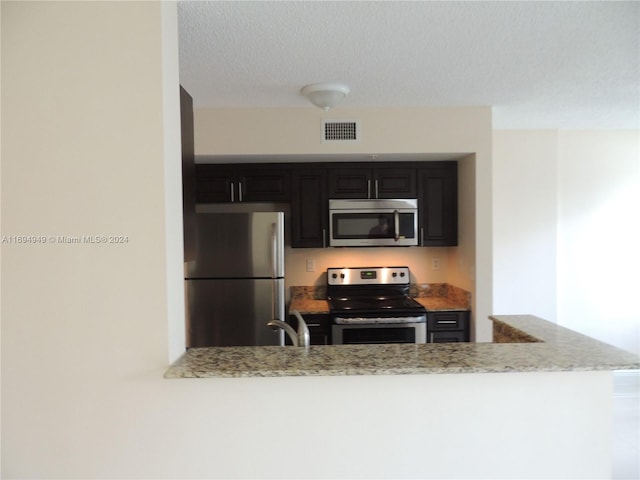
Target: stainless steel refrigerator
{"x": 235, "y": 285}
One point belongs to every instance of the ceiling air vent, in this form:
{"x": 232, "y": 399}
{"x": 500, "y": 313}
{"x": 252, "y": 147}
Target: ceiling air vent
{"x": 340, "y": 131}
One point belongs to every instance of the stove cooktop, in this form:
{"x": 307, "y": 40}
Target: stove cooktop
{"x": 371, "y": 291}
{"x": 362, "y": 303}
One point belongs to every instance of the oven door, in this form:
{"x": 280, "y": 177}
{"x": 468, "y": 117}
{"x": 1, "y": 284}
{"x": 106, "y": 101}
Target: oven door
{"x": 379, "y": 332}
{"x": 370, "y": 223}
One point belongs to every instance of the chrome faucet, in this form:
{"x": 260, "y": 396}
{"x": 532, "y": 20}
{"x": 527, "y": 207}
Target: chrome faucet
{"x": 300, "y": 338}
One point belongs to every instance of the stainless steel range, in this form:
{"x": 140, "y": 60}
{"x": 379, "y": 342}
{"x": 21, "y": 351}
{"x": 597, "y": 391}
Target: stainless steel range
{"x": 372, "y": 305}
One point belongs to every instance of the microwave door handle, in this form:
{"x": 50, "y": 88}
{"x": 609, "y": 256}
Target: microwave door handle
{"x": 396, "y": 221}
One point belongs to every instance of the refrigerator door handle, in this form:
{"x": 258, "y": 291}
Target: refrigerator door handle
{"x": 278, "y": 308}
{"x": 274, "y": 250}
{"x": 274, "y": 301}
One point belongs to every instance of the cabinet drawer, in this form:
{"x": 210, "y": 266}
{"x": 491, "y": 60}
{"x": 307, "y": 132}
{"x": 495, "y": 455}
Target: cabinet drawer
{"x": 447, "y": 320}
{"x": 447, "y": 337}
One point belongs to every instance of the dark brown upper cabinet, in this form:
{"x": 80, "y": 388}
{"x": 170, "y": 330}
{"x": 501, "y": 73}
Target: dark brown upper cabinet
{"x": 438, "y": 204}
{"x": 309, "y": 207}
{"x": 308, "y": 186}
{"x": 367, "y": 181}
{"x": 238, "y": 183}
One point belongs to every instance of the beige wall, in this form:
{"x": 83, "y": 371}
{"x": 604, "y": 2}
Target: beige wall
{"x": 525, "y": 208}
{"x": 83, "y": 151}
{"x": 598, "y": 233}
{"x": 566, "y": 229}
{"x": 266, "y": 131}
{"x": 295, "y": 133}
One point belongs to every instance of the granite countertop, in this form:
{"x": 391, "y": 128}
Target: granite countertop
{"x": 542, "y": 347}
{"x": 309, "y": 306}
{"x": 438, "y": 304}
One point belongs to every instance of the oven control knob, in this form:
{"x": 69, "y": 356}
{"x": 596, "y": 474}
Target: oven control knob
{"x": 394, "y": 274}
{"x": 402, "y": 274}
{"x": 334, "y": 275}
{"x": 342, "y": 275}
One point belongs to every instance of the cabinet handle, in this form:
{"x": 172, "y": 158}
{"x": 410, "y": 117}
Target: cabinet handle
{"x": 431, "y": 337}
{"x": 422, "y": 236}
{"x": 313, "y": 324}
{"x": 441, "y": 322}
{"x": 233, "y": 192}
{"x": 324, "y": 238}
{"x": 368, "y": 188}
{"x": 239, "y": 191}
{"x": 376, "y": 188}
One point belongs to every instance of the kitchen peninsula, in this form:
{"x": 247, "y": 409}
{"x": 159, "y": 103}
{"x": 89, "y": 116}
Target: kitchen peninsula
{"x": 536, "y": 403}
{"x": 525, "y": 343}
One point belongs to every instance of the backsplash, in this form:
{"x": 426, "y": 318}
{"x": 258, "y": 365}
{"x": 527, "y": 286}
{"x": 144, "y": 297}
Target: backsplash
{"x": 309, "y": 293}
{"x": 418, "y": 259}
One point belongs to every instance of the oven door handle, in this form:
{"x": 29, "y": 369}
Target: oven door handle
{"x": 396, "y": 221}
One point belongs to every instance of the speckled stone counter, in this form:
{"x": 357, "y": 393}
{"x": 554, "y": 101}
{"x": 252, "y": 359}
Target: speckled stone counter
{"x": 557, "y": 349}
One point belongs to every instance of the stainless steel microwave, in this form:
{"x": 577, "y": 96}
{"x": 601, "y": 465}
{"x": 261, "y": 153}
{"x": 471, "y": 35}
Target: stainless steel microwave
{"x": 373, "y": 223}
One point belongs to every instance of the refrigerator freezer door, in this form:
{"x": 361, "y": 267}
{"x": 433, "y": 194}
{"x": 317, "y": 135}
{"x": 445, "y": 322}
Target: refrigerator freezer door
{"x": 238, "y": 245}
{"x": 234, "y": 312}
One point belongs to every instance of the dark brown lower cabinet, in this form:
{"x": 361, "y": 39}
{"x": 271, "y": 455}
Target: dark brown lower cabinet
{"x": 319, "y": 328}
{"x": 448, "y": 326}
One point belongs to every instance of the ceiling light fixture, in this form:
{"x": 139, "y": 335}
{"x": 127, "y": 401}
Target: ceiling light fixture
{"x": 325, "y": 95}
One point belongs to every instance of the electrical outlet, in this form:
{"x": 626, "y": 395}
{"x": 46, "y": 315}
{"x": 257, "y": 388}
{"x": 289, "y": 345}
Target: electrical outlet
{"x": 435, "y": 263}
{"x": 311, "y": 265}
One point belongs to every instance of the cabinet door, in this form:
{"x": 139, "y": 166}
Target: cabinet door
{"x": 349, "y": 182}
{"x": 439, "y": 205}
{"x": 394, "y": 183}
{"x": 241, "y": 183}
{"x": 366, "y": 181}
{"x": 319, "y": 328}
{"x": 256, "y": 184}
{"x": 214, "y": 184}
{"x": 309, "y": 208}
{"x": 446, "y": 337}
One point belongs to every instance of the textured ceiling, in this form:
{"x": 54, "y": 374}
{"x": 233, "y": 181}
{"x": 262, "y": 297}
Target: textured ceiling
{"x": 538, "y": 64}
